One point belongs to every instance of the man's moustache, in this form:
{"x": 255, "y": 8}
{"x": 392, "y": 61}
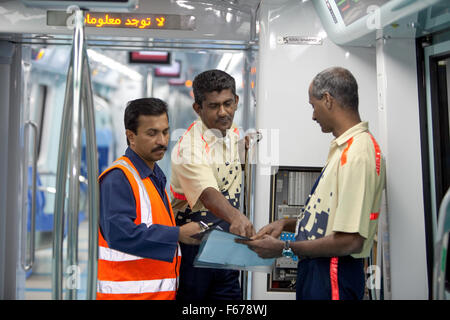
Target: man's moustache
{"x": 160, "y": 148}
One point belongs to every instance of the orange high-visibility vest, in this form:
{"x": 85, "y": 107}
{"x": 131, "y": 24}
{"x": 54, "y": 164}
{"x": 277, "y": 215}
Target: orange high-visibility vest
{"x": 124, "y": 276}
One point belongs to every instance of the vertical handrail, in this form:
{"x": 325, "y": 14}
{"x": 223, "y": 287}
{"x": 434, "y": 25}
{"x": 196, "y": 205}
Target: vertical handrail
{"x": 33, "y": 192}
{"x": 28, "y": 259}
{"x": 249, "y": 203}
{"x": 93, "y": 189}
{"x": 78, "y": 101}
{"x": 441, "y": 248}
{"x": 75, "y": 154}
{"x": 70, "y": 138}
{"x": 58, "y": 214}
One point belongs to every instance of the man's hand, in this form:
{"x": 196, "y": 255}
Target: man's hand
{"x": 273, "y": 229}
{"x": 188, "y": 230}
{"x": 266, "y": 247}
{"x": 216, "y": 203}
{"x": 240, "y": 225}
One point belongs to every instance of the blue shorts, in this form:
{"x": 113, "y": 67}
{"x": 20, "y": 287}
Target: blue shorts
{"x": 338, "y": 278}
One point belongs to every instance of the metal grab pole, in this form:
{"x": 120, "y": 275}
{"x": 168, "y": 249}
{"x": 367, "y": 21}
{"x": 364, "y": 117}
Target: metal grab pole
{"x": 28, "y": 259}
{"x": 249, "y": 203}
{"x": 93, "y": 188}
{"x": 75, "y": 157}
{"x": 70, "y": 138}
{"x": 58, "y": 215}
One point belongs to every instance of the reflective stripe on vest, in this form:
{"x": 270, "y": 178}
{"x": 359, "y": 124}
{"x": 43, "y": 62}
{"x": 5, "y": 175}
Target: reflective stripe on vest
{"x": 126, "y": 276}
{"x": 146, "y": 208}
{"x": 136, "y": 287}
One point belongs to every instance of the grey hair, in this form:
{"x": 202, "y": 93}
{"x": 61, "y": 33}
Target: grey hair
{"x": 339, "y": 83}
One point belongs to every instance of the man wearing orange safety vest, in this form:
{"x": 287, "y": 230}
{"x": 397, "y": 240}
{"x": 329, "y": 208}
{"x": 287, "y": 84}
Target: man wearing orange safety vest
{"x": 139, "y": 255}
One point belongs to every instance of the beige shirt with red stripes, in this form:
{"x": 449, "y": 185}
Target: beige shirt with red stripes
{"x": 200, "y": 160}
{"x": 348, "y": 196}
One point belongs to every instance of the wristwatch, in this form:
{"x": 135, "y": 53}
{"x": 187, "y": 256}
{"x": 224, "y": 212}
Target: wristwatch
{"x": 287, "y": 251}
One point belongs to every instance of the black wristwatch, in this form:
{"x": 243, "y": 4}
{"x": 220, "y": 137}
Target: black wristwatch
{"x": 287, "y": 251}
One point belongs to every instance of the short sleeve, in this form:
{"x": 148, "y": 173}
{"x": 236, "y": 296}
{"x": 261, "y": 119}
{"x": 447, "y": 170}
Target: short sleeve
{"x": 193, "y": 172}
{"x": 356, "y": 192}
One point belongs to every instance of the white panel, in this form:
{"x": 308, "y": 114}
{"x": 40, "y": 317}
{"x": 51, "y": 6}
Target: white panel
{"x": 363, "y": 30}
{"x": 397, "y": 68}
{"x": 284, "y": 74}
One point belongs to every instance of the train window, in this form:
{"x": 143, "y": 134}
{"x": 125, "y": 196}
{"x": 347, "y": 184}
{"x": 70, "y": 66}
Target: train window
{"x": 447, "y": 269}
{"x": 440, "y": 84}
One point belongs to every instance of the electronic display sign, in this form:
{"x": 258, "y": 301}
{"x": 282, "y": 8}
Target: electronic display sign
{"x": 126, "y": 20}
{"x": 352, "y": 10}
{"x": 172, "y": 71}
{"x": 157, "y": 57}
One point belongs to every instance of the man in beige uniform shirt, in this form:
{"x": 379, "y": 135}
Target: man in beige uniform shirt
{"x": 335, "y": 231}
{"x": 206, "y": 183}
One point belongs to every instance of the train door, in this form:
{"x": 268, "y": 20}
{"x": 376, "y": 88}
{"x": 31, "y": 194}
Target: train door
{"x": 62, "y": 113}
{"x": 45, "y": 83}
{"x": 149, "y": 79}
{"x": 435, "y": 58}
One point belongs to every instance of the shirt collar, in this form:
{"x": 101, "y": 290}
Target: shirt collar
{"x": 363, "y": 126}
{"x": 210, "y": 138}
{"x": 143, "y": 169}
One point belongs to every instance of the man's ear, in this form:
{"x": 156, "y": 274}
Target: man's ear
{"x": 196, "y": 107}
{"x": 328, "y": 100}
{"x": 130, "y": 136}
{"x": 236, "y": 100}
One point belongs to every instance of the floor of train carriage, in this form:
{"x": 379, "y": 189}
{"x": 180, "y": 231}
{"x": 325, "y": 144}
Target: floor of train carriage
{"x": 38, "y": 284}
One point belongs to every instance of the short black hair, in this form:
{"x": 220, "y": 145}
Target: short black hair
{"x": 143, "y": 106}
{"x": 210, "y": 81}
{"x": 340, "y": 84}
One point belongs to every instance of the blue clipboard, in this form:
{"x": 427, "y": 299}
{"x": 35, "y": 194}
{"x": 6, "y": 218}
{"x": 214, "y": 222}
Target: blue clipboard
{"x": 218, "y": 249}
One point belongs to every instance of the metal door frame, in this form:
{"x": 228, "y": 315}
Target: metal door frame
{"x": 427, "y": 52}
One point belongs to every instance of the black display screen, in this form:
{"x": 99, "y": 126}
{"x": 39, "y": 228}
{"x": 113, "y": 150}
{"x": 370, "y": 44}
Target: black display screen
{"x": 352, "y": 10}
{"x": 157, "y": 57}
{"x": 126, "y": 20}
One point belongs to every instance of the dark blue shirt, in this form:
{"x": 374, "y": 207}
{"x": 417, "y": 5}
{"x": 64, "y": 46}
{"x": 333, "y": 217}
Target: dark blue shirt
{"x": 118, "y": 212}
